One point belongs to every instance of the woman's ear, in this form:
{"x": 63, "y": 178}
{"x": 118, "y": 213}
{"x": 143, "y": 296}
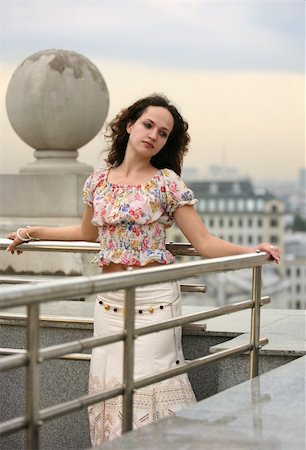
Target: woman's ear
{"x": 129, "y": 127}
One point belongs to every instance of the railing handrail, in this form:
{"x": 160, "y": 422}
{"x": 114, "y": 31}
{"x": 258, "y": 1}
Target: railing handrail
{"x": 182, "y": 248}
{"x": 33, "y": 295}
{"x": 85, "y": 285}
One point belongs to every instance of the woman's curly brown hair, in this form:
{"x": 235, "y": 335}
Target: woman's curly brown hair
{"x": 171, "y": 155}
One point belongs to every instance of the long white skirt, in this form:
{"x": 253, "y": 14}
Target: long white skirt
{"x": 153, "y": 353}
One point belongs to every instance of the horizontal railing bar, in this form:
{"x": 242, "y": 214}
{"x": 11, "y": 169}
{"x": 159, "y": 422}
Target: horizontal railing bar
{"x": 61, "y": 350}
{"x": 265, "y": 300}
{"x": 55, "y": 246}
{"x": 64, "y": 408}
{"x": 214, "y": 312}
{"x": 71, "y": 356}
{"x": 16, "y": 424}
{"x": 88, "y": 343}
{"x": 43, "y": 318}
{"x": 55, "y": 351}
{"x": 20, "y": 280}
{"x": 73, "y": 405}
{"x": 85, "y": 285}
{"x": 183, "y": 249}
{"x": 194, "y": 364}
{"x": 12, "y": 362}
{"x": 200, "y": 288}
{"x": 61, "y": 409}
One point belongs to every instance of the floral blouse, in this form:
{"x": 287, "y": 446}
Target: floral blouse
{"x": 132, "y": 219}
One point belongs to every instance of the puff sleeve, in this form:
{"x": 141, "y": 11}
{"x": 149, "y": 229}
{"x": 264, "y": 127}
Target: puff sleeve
{"x": 88, "y": 190}
{"x": 177, "y": 194}
{"x": 95, "y": 179}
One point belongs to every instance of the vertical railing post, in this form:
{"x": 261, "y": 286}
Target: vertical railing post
{"x": 33, "y": 378}
{"x": 128, "y": 360}
{"x": 255, "y": 321}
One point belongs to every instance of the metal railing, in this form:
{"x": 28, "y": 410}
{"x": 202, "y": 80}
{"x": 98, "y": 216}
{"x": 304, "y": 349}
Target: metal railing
{"x": 32, "y": 296}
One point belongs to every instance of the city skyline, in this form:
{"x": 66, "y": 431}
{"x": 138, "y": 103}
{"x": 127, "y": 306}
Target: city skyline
{"x": 235, "y": 70}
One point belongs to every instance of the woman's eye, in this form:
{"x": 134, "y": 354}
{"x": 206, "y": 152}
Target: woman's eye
{"x": 147, "y": 124}
{"x": 163, "y": 134}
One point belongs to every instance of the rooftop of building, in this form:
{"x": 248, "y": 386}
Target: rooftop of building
{"x": 242, "y": 188}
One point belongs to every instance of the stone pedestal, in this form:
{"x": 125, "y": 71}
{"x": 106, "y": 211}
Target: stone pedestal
{"x": 57, "y": 101}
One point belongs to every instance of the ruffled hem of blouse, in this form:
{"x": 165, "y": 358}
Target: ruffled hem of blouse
{"x": 130, "y": 258}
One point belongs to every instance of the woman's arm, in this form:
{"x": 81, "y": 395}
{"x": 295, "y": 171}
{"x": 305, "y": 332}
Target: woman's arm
{"x": 85, "y": 231}
{"x": 210, "y": 246}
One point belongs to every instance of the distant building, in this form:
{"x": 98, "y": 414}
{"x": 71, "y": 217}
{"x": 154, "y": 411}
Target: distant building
{"x": 295, "y": 268}
{"x": 302, "y": 180}
{"x": 237, "y": 212}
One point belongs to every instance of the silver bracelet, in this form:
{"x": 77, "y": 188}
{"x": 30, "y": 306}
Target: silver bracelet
{"x": 20, "y": 237}
{"x": 31, "y": 238}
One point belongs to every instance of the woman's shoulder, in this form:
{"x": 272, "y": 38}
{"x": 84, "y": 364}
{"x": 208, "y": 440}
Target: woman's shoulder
{"x": 98, "y": 175}
{"x": 169, "y": 174}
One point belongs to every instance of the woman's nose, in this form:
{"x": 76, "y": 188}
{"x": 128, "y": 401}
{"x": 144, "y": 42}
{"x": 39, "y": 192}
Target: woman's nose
{"x": 153, "y": 134}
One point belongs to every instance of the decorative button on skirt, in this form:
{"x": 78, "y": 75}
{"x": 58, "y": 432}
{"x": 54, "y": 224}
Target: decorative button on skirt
{"x": 153, "y": 353}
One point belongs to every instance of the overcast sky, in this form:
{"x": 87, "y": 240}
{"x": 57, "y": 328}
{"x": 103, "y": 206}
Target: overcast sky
{"x": 234, "y": 68}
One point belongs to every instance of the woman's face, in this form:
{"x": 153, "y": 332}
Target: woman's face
{"x": 150, "y": 132}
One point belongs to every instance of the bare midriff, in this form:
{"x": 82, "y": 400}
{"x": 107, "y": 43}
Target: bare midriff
{"x": 114, "y": 267}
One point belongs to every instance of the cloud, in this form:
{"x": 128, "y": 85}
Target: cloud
{"x": 201, "y": 35}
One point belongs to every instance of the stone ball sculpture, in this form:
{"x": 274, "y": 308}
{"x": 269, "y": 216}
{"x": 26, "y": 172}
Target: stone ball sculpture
{"x": 57, "y": 100}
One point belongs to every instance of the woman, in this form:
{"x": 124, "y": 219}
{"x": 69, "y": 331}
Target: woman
{"x": 129, "y": 206}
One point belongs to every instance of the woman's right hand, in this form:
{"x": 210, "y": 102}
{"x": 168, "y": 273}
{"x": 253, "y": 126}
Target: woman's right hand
{"x": 16, "y": 240}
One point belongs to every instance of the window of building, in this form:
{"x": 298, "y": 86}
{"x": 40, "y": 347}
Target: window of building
{"x": 298, "y": 288}
{"x": 273, "y": 222}
{"x": 259, "y": 239}
{"x": 250, "y": 222}
{"x": 250, "y": 204}
{"x": 240, "y": 222}
{"x": 298, "y": 272}
{"x": 240, "y": 205}
{"x": 260, "y": 204}
{"x": 274, "y": 239}
{"x": 211, "y": 222}
{"x": 240, "y": 239}
{"x": 236, "y": 188}
{"x": 298, "y": 304}
{"x": 221, "y": 204}
{"x": 274, "y": 208}
{"x": 230, "y": 238}
{"x": 259, "y": 222}
{"x": 250, "y": 239}
{"x": 211, "y": 204}
{"x": 201, "y": 205}
{"x": 213, "y": 188}
{"x": 221, "y": 222}
{"x": 230, "y": 223}
{"x": 288, "y": 272}
{"x": 231, "y": 204}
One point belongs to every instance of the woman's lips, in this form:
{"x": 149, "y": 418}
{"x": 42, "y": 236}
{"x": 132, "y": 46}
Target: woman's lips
{"x": 148, "y": 144}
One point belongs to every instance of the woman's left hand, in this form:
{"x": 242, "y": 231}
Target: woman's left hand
{"x": 272, "y": 250}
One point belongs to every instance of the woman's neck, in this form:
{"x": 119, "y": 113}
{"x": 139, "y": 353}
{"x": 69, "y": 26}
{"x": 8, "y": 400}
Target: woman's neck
{"x": 132, "y": 172}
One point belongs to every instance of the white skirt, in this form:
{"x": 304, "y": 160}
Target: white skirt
{"x": 153, "y": 353}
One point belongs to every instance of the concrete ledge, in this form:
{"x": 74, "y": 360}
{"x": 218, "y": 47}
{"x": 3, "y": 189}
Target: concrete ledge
{"x": 265, "y": 413}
